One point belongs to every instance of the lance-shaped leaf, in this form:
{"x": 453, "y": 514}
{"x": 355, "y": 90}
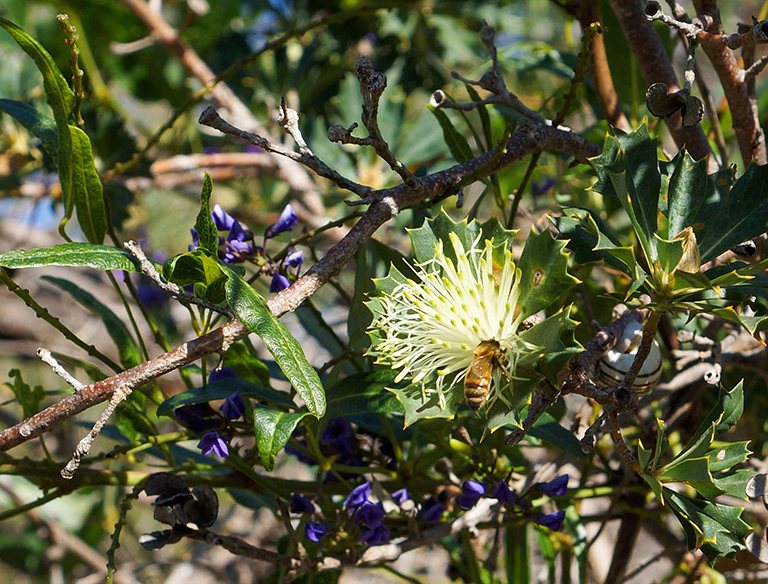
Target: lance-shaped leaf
{"x": 252, "y": 310}
{"x": 544, "y": 276}
{"x": 457, "y": 144}
{"x": 87, "y": 191}
{"x": 130, "y": 356}
{"x": 364, "y": 393}
{"x": 60, "y": 98}
{"x": 39, "y": 125}
{"x": 206, "y": 229}
{"x": 273, "y": 429}
{"x": 222, "y": 389}
{"x": 73, "y": 255}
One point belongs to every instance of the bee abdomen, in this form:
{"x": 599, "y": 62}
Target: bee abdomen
{"x": 476, "y": 393}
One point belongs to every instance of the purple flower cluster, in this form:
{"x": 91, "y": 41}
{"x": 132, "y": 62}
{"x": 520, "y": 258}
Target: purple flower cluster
{"x": 368, "y": 515}
{"x": 337, "y": 439}
{"x": 238, "y": 243}
{"x": 213, "y": 442}
{"x": 293, "y": 259}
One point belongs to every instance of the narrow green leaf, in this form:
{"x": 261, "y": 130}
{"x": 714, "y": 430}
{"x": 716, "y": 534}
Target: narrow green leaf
{"x": 364, "y": 393}
{"x": 28, "y": 398}
{"x": 74, "y": 255}
{"x": 518, "y": 554}
{"x": 485, "y": 118}
{"x": 243, "y": 360}
{"x": 273, "y": 429}
{"x": 252, "y": 310}
{"x": 130, "y": 356}
{"x": 206, "y": 229}
{"x": 222, "y": 389}
{"x": 550, "y": 430}
{"x": 457, "y": 144}
{"x": 39, "y": 125}
{"x": 87, "y": 191}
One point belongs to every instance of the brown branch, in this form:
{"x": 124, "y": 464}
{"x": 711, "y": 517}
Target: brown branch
{"x": 527, "y": 139}
{"x": 590, "y": 12}
{"x": 656, "y": 67}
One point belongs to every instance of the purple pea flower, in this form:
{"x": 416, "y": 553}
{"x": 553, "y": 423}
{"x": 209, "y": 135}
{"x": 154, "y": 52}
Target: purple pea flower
{"x": 233, "y": 407}
{"x": 149, "y": 294}
{"x": 432, "y": 511}
{"x": 279, "y": 282}
{"x": 553, "y": 521}
{"x": 239, "y": 244}
{"x": 538, "y": 188}
{"x": 301, "y": 505}
{"x": 219, "y": 374}
{"x": 503, "y": 494}
{"x": 338, "y": 435}
{"x": 554, "y": 488}
{"x": 376, "y": 536}
{"x": 401, "y": 496}
{"x": 223, "y": 220}
{"x": 286, "y": 222}
{"x": 471, "y": 491}
{"x": 315, "y": 530}
{"x": 198, "y": 417}
{"x": 195, "y": 240}
{"x": 370, "y": 514}
{"x": 212, "y": 442}
{"x": 294, "y": 259}
{"x": 358, "y": 496}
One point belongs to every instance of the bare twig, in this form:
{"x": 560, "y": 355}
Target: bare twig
{"x": 50, "y": 360}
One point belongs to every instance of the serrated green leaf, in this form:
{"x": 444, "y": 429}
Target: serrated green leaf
{"x": 130, "y": 356}
{"x": 364, "y": 393}
{"x": 457, "y": 144}
{"x": 87, "y": 191}
{"x": 207, "y": 233}
{"x": 77, "y": 255}
{"x": 735, "y": 484}
{"x": 686, "y": 192}
{"x": 416, "y": 407}
{"x": 730, "y": 403}
{"x": 273, "y": 429}
{"x": 670, "y": 252}
{"x": 37, "y": 124}
{"x": 222, "y": 389}
{"x": 728, "y": 456}
{"x": 549, "y": 430}
{"x": 556, "y": 339}
{"x": 695, "y": 472}
{"x": 544, "y": 276}
{"x": 509, "y": 415}
{"x": 252, "y": 310}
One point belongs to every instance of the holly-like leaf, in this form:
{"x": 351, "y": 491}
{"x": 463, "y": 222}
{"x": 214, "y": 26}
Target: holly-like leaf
{"x": 728, "y": 456}
{"x": 252, "y": 310}
{"x": 697, "y": 473}
{"x": 556, "y": 339}
{"x": 544, "y": 276}
{"x": 416, "y": 407}
{"x": 273, "y": 429}
{"x": 207, "y": 233}
{"x": 686, "y": 192}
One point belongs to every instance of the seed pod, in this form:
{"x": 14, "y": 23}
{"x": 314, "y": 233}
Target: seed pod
{"x": 611, "y": 368}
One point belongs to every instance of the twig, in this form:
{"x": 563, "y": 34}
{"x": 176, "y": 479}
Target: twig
{"x": 149, "y": 270}
{"x": 50, "y": 360}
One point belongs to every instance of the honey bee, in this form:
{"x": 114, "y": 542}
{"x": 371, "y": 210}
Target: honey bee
{"x": 488, "y": 355}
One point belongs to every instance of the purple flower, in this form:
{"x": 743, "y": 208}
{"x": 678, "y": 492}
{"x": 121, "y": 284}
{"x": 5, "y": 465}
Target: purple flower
{"x": 223, "y": 220}
{"x": 149, "y": 294}
{"x": 119, "y": 275}
{"x": 233, "y": 407}
{"x": 554, "y": 488}
{"x": 286, "y": 222}
{"x": 294, "y": 259}
{"x": 195, "y": 240}
{"x": 222, "y": 373}
{"x": 198, "y": 417}
{"x": 212, "y": 442}
{"x": 376, "y": 536}
{"x": 370, "y": 514}
{"x": 239, "y": 244}
{"x": 300, "y": 505}
{"x": 253, "y": 149}
{"x": 538, "y": 188}
{"x": 338, "y": 435}
{"x": 553, "y": 521}
{"x": 471, "y": 491}
{"x": 503, "y": 494}
{"x": 401, "y": 496}
{"x": 358, "y": 496}
{"x": 432, "y": 511}
{"x": 315, "y": 530}
{"x": 279, "y": 282}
